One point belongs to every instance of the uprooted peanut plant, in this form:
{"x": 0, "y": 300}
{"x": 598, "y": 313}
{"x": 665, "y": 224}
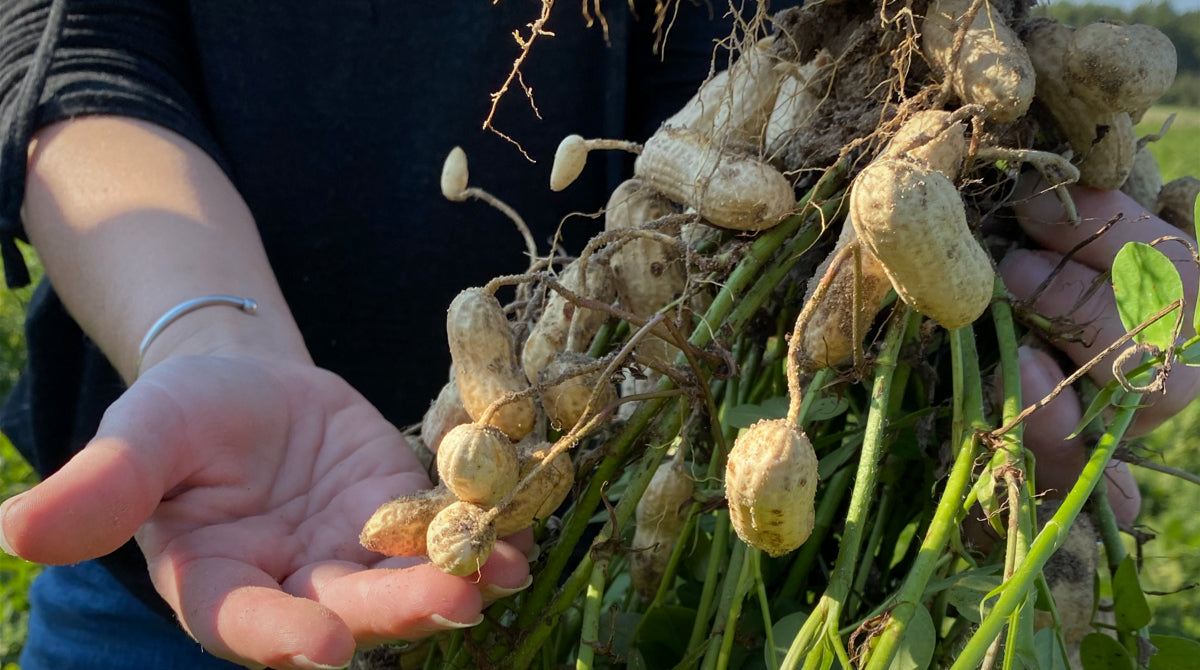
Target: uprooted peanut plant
{"x": 754, "y": 421}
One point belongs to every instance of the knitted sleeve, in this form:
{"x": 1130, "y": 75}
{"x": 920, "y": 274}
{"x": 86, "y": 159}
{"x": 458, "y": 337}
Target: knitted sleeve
{"x": 65, "y": 58}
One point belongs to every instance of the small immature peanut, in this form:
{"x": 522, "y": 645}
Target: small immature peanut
{"x": 771, "y": 485}
{"x": 478, "y": 463}
{"x": 483, "y": 350}
{"x": 460, "y": 538}
{"x": 398, "y": 527}
{"x": 455, "y": 175}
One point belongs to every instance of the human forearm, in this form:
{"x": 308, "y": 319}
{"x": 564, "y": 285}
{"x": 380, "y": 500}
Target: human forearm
{"x": 131, "y": 219}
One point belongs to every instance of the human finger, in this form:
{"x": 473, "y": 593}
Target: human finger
{"x": 383, "y": 605}
{"x": 1043, "y": 217}
{"x": 238, "y": 612}
{"x": 1059, "y": 457}
{"x": 95, "y": 502}
{"x": 1079, "y": 293}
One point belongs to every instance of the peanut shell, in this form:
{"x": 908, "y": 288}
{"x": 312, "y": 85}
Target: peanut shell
{"x": 483, "y": 350}
{"x": 460, "y": 539}
{"x": 478, "y": 463}
{"x": 912, "y": 219}
{"x": 771, "y": 484}
{"x": 398, "y": 527}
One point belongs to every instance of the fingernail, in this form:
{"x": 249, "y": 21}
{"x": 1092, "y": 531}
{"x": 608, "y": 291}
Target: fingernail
{"x": 302, "y": 661}
{"x": 4, "y": 545}
{"x": 503, "y": 592}
{"x": 446, "y": 623}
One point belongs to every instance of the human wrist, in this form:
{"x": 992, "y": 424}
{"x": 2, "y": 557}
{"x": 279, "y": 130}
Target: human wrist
{"x": 217, "y": 325}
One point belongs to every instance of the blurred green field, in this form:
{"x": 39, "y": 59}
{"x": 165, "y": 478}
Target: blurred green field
{"x": 1171, "y": 562}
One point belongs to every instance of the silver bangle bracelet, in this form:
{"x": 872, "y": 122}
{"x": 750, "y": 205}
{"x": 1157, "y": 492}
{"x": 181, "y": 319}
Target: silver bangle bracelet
{"x": 245, "y": 304}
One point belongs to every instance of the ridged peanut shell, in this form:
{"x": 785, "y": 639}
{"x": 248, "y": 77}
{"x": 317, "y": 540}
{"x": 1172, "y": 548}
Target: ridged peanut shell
{"x": 992, "y": 68}
{"x": 771, "y": 485}
{"x": 1145, "y": 179}
{"x": 648, "y": 275}
{"x": 567, "y": 400}
{"x": 1119, "y": 67}
{"x": 544, "y": 493}
{"x": 1103, "y": 140}
{"x": 730, "y": 189}
{"x": 928, "y": 137}
{"x": 444, "y": 413}
{"x": 1177, "y": 203}
{"x": 734, "y": 105}
{"x": 549, "y": 336}
{"x": 478, "y": 463}
{"x": 398, "y": 527}
{"x": 658, "y": 520}
{"x": 1071, "y": 573}
{"x": 829, "y": 338}
{"x": 912, "y": 219}
{"x": 460, "y": 539}
{"x": 483, "y": 350}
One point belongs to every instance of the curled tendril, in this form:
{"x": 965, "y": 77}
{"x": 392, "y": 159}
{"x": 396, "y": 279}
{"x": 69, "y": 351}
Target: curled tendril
{"x": 1160, "y": 371}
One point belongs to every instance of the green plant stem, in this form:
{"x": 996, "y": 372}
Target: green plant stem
{"x": 708, "y": 591}
{"x": 828, "y": 610}
{"x": 730, "y": 594}
{"x": 879, "y": 523}
{"x": 831, "y": 500}
{"x": 1013, "y": 591}
{"x": 589, "y": 636}
{"x": 1115, "y": 554}
{"x": 948, "y": 514}
{"x": 543, "y": 620}
{"x": 764, "y": 604}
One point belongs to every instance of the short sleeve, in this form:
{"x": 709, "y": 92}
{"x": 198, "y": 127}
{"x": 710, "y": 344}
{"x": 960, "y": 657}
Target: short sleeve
{"x": 65, "y": 58}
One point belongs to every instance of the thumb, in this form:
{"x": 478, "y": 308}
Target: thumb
{"x": 94, "y": 503}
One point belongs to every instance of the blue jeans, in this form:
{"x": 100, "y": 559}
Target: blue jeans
{"x": 82, "y": 618}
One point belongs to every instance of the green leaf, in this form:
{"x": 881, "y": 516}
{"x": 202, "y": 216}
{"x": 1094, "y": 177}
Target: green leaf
{"x": 783, "y": 632}
{"x": 658, "y": 641}
{"x": 1051, "y": 654}
{"x": 743, "y": 416}
{"x": 1144, "y": 282}
{"x": 1174, "y": 653}
{"x": 1129, "y": 603}
{"x": 826, "y": 407}
{"x": 968, "y": 595}
{"x": 1098, "y": 651}
{"x": 916, "y": 648}
{"x": 1102, "y": 400}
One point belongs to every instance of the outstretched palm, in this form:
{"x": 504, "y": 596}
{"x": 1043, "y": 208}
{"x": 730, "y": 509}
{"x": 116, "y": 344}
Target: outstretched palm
{"x": 247, "y": 482}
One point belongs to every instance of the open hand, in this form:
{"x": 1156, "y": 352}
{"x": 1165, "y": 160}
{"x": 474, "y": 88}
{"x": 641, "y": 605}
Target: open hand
{"x": 1060, "y": 460}
{"x": 246, "y": 482}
